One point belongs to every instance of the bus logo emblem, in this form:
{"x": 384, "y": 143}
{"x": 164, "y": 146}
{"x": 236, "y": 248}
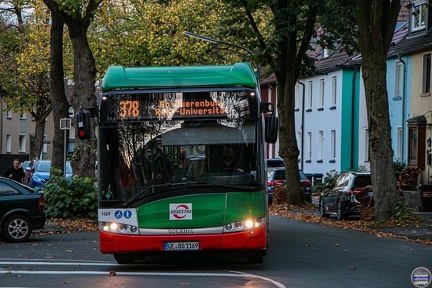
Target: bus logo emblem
{"x": 181, "y": 211}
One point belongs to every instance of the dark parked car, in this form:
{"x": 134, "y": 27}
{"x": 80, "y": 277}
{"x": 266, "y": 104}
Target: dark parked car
{"x": 346, "y": 195}
{"x": 276, "y": 177}
{"x": 21, "y": 211}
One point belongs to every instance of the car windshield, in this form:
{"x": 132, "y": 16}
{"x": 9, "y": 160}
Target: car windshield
{"x": 343, "y": 180}
{"x": 302, "y": 176}
{"x": 275, "y": 163}
{"x": 45, "y": 166}
{"x": 279, "y": 175}
{"x": 362, "y": 181}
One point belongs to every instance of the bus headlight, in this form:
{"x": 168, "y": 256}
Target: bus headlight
{"x": 244, "y": 225}
{"x": 118, "y": 228}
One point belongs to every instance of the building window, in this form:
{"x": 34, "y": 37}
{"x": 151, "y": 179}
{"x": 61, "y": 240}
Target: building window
{"x": 334, "y": 91}
{"x": 309, "y": 98}
{"x": 418, "y": 15}
{"x": 22, "y": 116}
{"x": 9, "y": 114}
{"x": 366, "y": 145}
{"x": 399, "y": 79}
{"x": 8, "y": 143}
{"x": 300, "y": 140}
{"x": 333, "y": 145}
{"x": 427, "y": 73}
{"x": 320, "y": 145}
{"x": 321, "y": 91}
{"x": 309, "y": 146}
{"x": 399, "y": 141}
{"x": 413, "y": 145}
{"x": 22, "y": 143}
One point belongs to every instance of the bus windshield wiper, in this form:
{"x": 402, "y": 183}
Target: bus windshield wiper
{"x": 147, "y": 191}
{"x": 153, "y": 189}
{"x": 233, "y": 186}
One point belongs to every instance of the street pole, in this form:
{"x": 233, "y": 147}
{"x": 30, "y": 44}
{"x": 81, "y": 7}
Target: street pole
{"x": 65, "y": 124}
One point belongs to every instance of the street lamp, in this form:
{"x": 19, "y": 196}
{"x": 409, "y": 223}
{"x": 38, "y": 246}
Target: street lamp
{"x": 216, "y": 41}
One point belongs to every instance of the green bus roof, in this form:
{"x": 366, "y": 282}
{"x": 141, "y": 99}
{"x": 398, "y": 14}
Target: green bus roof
{"x": 238, "y": 74}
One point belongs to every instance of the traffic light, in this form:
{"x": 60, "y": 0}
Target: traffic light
{"x": 83, "y": 124}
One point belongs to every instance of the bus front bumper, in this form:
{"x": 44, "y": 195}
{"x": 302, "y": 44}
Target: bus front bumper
{"x": 111, "y": 243}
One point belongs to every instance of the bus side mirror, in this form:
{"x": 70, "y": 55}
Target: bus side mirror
{"x": 271, "y": 128}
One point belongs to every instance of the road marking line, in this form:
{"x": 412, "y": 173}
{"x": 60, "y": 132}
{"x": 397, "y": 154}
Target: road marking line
{"x": 39, "y": 263}
{"x": 246, "y": 275}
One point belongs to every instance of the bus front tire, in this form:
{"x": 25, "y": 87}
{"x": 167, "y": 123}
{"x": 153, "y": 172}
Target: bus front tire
{"x": 124, "y": 258}
{"x": 255, "y": 259}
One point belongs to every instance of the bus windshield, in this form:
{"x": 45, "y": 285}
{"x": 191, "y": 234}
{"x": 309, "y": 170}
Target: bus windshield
{"x": 143, "y": 155}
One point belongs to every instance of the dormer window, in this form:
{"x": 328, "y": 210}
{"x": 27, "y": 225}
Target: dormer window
{"x": 418, "y": 15}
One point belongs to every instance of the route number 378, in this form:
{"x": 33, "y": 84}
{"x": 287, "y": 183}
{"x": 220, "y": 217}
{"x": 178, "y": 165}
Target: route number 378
{"x": 129, "y": 108}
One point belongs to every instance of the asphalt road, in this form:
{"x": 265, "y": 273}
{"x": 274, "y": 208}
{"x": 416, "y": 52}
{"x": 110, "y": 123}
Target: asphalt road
{"x": 300, "y": 255}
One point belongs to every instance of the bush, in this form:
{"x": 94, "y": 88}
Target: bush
{"x": 70, "y": 198}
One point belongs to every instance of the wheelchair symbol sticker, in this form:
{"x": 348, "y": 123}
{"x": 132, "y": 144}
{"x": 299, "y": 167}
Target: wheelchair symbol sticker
{"x": 118, "y": 214}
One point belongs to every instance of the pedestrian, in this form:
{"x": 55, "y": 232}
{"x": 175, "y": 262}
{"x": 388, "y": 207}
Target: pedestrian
{"x": 15, "y": 172}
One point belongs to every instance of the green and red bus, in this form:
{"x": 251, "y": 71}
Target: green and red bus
{"x": 181, "y": 161}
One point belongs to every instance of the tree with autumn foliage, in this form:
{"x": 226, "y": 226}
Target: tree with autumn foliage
{"x": 24, "y": 77}
{"x": 77, "y": 15}
{"x": 151, "y": 33}
{"x": 281, "y": 41}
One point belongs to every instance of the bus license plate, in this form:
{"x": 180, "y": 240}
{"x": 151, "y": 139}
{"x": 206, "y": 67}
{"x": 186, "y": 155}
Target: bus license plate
{"x": 181, "y": 246}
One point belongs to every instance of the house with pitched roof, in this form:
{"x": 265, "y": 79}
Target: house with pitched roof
{"x": 413, "y": 69}
{"x": 331, "y": 116}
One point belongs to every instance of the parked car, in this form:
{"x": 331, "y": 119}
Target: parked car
{"x": 276, "y": 177}
{"x": 345, "y": 196}
{"x": 21, "y": 211}
{"x": 40, "y": 173}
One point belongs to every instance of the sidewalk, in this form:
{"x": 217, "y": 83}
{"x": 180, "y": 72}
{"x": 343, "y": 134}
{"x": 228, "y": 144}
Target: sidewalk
{"x": 423, "y": 232}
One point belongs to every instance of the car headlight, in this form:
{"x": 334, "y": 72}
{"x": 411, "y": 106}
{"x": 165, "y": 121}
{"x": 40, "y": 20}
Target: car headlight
{"x": 37, "y": 178}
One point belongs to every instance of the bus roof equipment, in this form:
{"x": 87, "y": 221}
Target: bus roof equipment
{"x": 238, "y": 74}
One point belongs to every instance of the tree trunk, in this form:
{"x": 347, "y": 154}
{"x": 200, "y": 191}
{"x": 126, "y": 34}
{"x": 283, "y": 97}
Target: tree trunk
{"x": 381, "y": 152}
{"x": 83, "y": 96}
{"x": 376, "y": 21}
{"x": 39, "y": 114}
{"x": 286, "y": 77}
{"x": 58, "y": 96}
{"x": 38, "y": 138}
